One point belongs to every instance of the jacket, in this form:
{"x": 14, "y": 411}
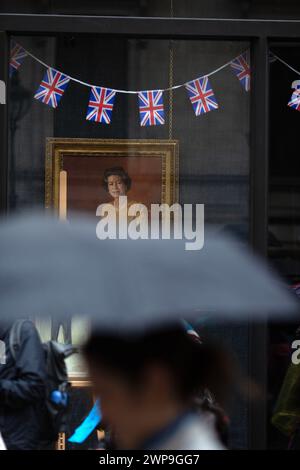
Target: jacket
{"x": 190, "y": 431}
{"x": 22, "y": 390}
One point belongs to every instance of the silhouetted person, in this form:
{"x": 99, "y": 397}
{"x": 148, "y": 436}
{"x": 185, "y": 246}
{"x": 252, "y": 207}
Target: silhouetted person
{"x": 22, "y": 389}
{"x": 147, "y": 385}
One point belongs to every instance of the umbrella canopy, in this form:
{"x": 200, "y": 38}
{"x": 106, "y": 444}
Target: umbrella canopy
{"x": 57, "y": 268}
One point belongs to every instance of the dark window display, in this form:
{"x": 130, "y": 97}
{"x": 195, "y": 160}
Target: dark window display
{"x": 162, "y": 121}
{"x": 283, "y": 247}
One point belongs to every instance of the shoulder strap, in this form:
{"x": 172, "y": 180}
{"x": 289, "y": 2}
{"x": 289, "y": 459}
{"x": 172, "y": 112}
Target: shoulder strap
{"x": 15, "y": 337}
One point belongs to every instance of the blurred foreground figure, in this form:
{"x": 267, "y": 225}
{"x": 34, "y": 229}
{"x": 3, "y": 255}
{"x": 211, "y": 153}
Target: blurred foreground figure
{"x": 147, "y": 384}
{"x": 22, "y": 389}
{"x": 2, "y": 445}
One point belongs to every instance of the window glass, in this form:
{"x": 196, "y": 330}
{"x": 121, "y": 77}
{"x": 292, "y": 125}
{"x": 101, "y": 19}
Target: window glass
{"x": 59, "y": 159}
{"x": 283, "y": 234}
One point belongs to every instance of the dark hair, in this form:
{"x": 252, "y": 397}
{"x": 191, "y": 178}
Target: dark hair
{"x": 119, "y": 171}
{"x": 193, "y": 366}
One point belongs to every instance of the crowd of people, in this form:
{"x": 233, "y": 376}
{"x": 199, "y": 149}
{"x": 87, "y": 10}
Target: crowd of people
{"x": 159, "y": 389}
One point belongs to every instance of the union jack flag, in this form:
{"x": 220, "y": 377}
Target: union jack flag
{"x": 17, "y": 55}
{"x": 52, "y": 87}
{"x": 201, "y": 95}
{"x": 241, "y": 67}
{"x": 295, "y": 100}
{"x": 101, "y": 104}
{"x": 151, "y": 108}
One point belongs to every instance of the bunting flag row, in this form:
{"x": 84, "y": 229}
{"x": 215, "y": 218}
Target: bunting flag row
{"x": 150, "y": 102}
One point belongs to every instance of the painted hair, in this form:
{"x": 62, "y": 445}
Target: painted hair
{"x": 119, "y": 171}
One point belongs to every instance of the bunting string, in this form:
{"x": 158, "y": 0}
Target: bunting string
{"x": 284, "y": 63}
{"x": 150, "y": 102}
{"x": 132, "y": 92}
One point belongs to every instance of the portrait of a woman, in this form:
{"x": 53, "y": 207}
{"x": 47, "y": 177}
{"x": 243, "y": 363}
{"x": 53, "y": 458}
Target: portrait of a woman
{"x": 117, "y": 183}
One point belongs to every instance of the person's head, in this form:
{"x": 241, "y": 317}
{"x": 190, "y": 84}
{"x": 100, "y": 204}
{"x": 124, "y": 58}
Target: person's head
{"x": 116, "y": 182}
{"x": 144, "y": 380}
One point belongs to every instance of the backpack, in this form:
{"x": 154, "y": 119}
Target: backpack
{"x": 57, "y": 383}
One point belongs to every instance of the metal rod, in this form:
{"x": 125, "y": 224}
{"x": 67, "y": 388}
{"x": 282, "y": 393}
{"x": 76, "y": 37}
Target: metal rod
{"x": 192, "y": 28}
{"x": 259, "y": 157}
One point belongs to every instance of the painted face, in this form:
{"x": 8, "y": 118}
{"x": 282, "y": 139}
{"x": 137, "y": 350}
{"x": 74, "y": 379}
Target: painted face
{"x": 116, "y": 186}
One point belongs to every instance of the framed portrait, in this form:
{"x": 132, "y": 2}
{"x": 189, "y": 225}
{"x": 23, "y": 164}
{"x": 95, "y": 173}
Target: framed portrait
{"x": 75, "y": 170}
{"x": 74, "y": 182}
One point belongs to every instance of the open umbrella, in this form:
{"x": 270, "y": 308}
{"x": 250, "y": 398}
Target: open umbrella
{"x": 57, "y": 268}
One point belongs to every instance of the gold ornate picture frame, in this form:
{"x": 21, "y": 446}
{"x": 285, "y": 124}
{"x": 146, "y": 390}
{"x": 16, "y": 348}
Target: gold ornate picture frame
{"x": 153, "y": 164}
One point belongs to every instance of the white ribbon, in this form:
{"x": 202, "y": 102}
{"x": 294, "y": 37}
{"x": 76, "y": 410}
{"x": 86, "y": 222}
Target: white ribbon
{"x": 286, "y": 64}
{"x": 132, "y": 92}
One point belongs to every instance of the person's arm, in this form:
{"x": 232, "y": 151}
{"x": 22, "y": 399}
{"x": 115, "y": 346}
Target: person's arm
{"x": 29, "y": 384}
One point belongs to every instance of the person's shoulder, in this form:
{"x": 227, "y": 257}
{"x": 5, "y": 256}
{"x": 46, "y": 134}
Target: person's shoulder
{"x": 194, "y": 433}
{"x": 138, "y": 206}
{"x": 132, "y": 202}
{"x": 203, "y": 432}
{"x": 105, "y": 206}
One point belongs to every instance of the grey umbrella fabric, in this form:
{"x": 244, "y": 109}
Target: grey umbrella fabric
{"x": 60, "y": 269}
